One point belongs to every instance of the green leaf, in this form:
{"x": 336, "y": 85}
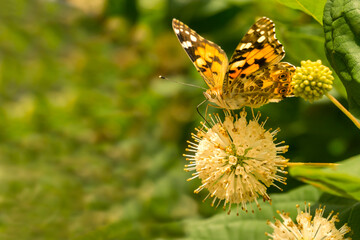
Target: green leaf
{"x": 311, "y": 7}
{"x": 251, "y": 225}
{"x": 343, "y": 181}
{"x": 342, "y": 43}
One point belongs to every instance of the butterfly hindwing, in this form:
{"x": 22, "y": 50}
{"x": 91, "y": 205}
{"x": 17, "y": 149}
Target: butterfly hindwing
{"x": 209, "y": 59}
{"x": 258, "y": 49}
{"x": 273, "y": 82}
{"x": 281, "y": 75}
{"x": 270, "y": 84}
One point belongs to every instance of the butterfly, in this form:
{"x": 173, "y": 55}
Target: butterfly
{"x": 254, "y": 75}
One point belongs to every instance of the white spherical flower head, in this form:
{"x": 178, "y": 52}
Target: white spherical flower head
{"x": 236, "y": 160}
{"x": 308, "y": 227}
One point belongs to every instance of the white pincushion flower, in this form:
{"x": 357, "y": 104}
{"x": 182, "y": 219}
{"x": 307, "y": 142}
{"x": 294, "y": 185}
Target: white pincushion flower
{"x": 307, "y": 227}
{"x": 236, "y": 160}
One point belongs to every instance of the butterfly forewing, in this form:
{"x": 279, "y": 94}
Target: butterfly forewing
{"x": 209, "y": 59}
{"x": 258, "y": 49}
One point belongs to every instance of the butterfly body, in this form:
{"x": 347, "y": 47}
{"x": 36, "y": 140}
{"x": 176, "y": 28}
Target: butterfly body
{"x": 254, "y": 75}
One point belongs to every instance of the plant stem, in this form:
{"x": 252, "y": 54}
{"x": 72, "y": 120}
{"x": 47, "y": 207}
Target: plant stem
{"x": 344, "y": 110}
{"x": 294, "y": 164}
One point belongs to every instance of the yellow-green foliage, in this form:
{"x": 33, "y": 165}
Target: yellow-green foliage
{"x": 91, "y": 140}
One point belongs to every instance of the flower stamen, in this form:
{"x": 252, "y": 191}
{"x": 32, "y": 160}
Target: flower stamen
{"x": 236, "y": 160}
{"x": 307, "y": 227}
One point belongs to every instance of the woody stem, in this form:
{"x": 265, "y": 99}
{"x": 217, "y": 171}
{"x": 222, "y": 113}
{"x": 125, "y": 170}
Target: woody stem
{"x": 344, "y": 110}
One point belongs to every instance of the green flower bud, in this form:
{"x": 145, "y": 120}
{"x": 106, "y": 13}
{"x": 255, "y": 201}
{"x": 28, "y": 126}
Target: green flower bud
{"x": 312, "y": 80}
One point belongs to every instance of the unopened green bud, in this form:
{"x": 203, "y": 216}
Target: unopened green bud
{"x": 312, "y": 80}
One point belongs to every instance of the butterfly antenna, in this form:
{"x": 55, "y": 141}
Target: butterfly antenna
{"x": 186, "y": 84}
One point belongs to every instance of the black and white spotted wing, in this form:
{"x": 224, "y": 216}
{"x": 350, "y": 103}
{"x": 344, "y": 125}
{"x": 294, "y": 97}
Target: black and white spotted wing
{"x": 209, "y": 59}
{"x": 258, "y": 49}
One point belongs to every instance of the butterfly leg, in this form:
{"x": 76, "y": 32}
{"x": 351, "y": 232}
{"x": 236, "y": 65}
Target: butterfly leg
{"x": 206, "y": 110}
{"x": 197, "y": 109}
{"x": 207, "y": 107}
{"x": 226, "y": 111}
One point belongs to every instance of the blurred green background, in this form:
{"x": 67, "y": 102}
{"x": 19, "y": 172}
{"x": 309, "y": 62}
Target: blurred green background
{"x": 91, "y": 140}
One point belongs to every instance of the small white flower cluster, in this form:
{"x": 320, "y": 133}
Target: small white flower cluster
{"x": 308, "y": 227}
{"x": 236, "y": 160}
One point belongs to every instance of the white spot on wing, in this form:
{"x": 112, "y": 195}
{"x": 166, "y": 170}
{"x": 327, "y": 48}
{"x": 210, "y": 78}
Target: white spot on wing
{"x": 187, "y": 32}
{"x": 193, "y": 38}
{"x": 261, "y": 39}
{"x": 245, "y": 46}
{"x": 186, "y": 44}
{"x": 242, "y": 46}
{"x": 238, "y": 64}
{"x": 248, "y": 45}
{"x": 262, "y": 32}
{"x": 250, "y": 31}
{"x": 176, "y": 31}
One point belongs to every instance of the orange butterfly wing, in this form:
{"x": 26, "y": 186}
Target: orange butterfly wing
{"x": 258, "y": 49}
{"x": 209, "y": 59}
{"x": 253, "y": 77}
